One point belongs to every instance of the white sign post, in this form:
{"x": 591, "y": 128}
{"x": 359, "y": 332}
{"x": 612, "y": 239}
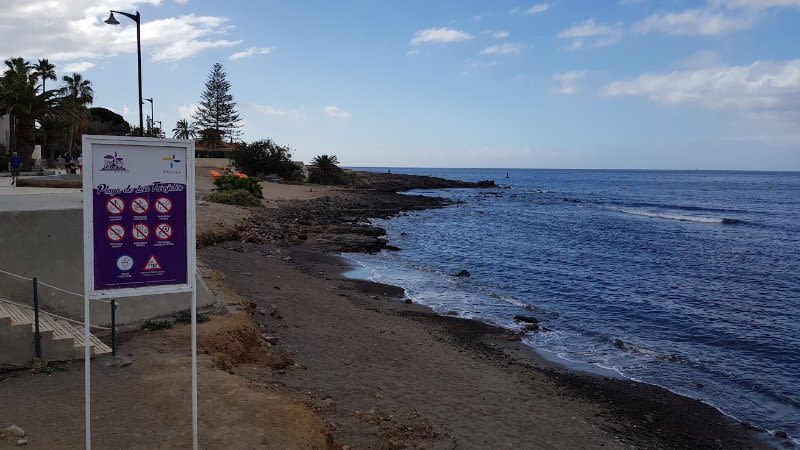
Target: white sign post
{"x": 139, "y": 230}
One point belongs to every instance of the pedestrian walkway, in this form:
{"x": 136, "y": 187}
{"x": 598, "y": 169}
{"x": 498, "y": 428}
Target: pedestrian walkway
{"x": 14, "y": 198}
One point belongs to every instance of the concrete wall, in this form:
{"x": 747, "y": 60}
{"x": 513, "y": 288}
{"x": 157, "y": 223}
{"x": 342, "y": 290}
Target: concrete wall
{"x": 48, "y": 244}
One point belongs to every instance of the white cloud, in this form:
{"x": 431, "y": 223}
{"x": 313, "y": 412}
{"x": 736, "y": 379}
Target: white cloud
{"x": 537, "y": 9}
{"x": 252, "y": 51}
{"x": 412, "y": 52}
{"x": 335, "y": 112}
{"x": 530, "y": 11}
{"x": 569, "y": 81}
{"x": 759, "y": 87}
{"x": 78, "y": 67}
{"x": 181, "y": 2}
{"x": 502, "y": 49}
{"x": 501, "y": 35}
{"x": 589, "y": 31}
{"x": 756, "y": 4}
{"x": 439, "y": 36}
{"x": 697, "y": 22}
{"x": 75, "y": 31}
{"x": 187, "y": 111}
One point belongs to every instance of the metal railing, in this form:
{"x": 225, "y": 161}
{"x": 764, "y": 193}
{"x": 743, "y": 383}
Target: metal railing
{"x": 36, "y": 309}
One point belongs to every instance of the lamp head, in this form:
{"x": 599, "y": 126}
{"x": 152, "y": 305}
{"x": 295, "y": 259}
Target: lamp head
{"x": 112, "y": 20}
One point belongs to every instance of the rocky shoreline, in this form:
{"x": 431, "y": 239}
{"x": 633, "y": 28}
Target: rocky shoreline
{"x": 647, "y": 416}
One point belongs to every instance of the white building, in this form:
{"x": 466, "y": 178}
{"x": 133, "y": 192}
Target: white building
{"x": 5, "y": 131}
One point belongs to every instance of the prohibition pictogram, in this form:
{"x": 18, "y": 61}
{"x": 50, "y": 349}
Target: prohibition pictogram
{"x": 163, "y": 205}
{"x": 164, "y": 231}
{"x": 115, "y": 233}
{"x": 115, "y": 205}
{"x": 140, "y": 232}
{"x": 139, "y": 205}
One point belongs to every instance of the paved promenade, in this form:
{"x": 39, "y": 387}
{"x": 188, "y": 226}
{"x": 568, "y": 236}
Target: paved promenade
{"x": 14, "y": 198}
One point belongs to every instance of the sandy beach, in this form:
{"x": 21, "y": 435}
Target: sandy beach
{"x": 298, "y": 356}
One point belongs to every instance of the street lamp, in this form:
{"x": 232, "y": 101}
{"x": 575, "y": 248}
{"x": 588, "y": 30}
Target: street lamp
{"x": 152, "y": 116}
{"x": 136, "y": 18}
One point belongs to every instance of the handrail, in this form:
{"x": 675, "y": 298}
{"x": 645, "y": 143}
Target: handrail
{"x": 51, "y": 286}
{"x": 54, "y": 315}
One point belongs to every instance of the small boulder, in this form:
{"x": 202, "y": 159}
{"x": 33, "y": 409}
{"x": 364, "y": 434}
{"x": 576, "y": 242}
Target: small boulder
{"x": 408, "y": 301}
{"x": 271, "y": 340}
{"x": 526, "y": 319}
{"x": 13, "y": 431}
{"x": 452, "y": 313}
{"x": 463, "y": 273}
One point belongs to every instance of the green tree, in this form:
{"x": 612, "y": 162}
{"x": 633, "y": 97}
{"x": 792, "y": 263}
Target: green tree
{"x": 264, "y": 157}
{"x": 325, "y": 170}
{"x": 217, "y": 109}
{"x": 44, "y": 70}
{"x": 184, "y": 130}
{"x": 107, "y": 122}
{"x": 76, "y": 93}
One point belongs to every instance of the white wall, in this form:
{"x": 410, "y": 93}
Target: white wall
{"x": 5, "y": 130}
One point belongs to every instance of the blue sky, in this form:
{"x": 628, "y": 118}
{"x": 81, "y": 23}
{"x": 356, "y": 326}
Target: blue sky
{"x": 711, "y": 84}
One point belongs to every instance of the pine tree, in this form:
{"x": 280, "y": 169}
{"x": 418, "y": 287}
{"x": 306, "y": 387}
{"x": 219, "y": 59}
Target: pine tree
{"x": 217, "y": 110}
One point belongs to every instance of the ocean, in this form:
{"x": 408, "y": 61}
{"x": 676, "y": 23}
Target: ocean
{"x": 689, "y": 280}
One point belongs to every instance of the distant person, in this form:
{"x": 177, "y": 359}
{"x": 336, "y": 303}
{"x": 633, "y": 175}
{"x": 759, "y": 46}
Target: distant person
{"x": 80, "y": 163}
{"x": 14, "y": 166}
{"x": 61, "y": 164}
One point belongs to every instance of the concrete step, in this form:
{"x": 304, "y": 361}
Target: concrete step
{"x": 61, "y": 340}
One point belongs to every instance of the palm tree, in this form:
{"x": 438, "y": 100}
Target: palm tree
{"x": 77, "y": 88}
{"x": 77, "y": 93}
{"x": 184, "y": 130}
{"x": 326, "y": 170}
{"x": 44, "y": 70}
{"x": 20, "y": 98}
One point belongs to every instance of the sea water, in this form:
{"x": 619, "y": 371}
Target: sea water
{"x": 685, "y": 279}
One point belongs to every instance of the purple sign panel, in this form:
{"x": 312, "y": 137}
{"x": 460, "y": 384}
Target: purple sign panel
{"x": 139, "y": 208}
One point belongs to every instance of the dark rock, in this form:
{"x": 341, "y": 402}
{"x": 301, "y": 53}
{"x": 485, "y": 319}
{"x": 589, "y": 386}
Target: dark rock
{"x": 409, "y": 301}
{"x": 392, "y": 248}
{"x": 526, "y": 319}
{"x": 452, "y": 313}
{"x": 532, "y": 327}
{"x": 781, "y": 434}
{"x": 271, "y": 340}
{"x": 463, "y": 273}
{"x": 619, "y": 344}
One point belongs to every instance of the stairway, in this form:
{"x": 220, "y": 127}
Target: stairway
{"x": 60, "y": 340}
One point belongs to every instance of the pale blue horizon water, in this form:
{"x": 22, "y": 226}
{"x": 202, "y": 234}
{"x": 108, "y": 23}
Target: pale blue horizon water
{"x": 685, "y": 279}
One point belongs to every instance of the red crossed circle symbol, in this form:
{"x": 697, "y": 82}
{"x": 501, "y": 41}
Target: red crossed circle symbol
{"x": 115, "y": 232}
{"x": 140, "y": 232}
{"x": 164, "y": 231}
{"x": 115, "y": 205}
{"x": 139, "y": 205}
{"x": 163, "y": 205}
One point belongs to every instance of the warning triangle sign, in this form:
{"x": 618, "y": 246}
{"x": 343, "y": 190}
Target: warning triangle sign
{"x": 152, "y": 264}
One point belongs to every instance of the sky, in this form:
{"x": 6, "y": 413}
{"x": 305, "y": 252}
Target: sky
{"x": 643, "y": 84}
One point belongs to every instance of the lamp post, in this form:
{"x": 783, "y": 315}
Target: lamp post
{"x": 136, "y": 18}
{"x": 151, "y": 124}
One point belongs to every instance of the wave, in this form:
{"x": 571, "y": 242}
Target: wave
{"x": 680, "y": 217}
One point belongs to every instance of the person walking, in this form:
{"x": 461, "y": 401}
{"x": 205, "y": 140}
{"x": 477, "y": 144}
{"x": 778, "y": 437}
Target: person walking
{"x": 14, "y": 166}
{"x": 80, "y": 163}
{"x": 61, "y": 164}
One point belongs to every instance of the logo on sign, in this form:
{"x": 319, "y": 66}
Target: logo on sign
{"x": 113, "y": 163}
{"x": 173, "y": 165}
{"x": 140, "y": 232}
{"x": 115, "y": 233}
{"x": 164, "y": 231}
{"x": 139, "y": 205}
{"x": 152, "y": 264}
{"x": 115, "y": 205}
{"x": 163, "y": 205}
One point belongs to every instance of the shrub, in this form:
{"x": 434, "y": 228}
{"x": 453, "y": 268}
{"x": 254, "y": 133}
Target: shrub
{"x": 233, "y": 183}
{"x": 264, "y": 157}
{"x": 154, "y": 325}
{"x": 186, "y": 317}
{"x": 238, "y": 197}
